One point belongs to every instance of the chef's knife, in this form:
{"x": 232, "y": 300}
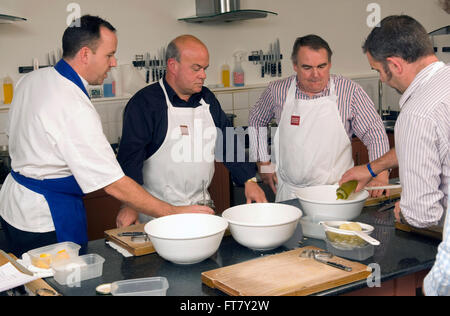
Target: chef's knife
{"x": 279, "y": 57}
{"x": 261, "y": 60}
{"x": 15, "y": 264}
{"x": 147, "y": 66}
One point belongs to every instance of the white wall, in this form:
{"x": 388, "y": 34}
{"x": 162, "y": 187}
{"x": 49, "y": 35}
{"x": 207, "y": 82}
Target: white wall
{"x": 146, "y": 25}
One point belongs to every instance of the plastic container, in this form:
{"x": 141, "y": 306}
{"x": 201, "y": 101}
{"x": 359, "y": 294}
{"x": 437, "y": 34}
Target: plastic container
{"x": 78, "y": 269}
{"x": 7, "y": 90}
{"x": 109, "y": 87}
{"x": 359, "y": 253}
{"x": 46, "y": 257}
{"x": 345, "y": 239}
{"x": 156, "y": 286}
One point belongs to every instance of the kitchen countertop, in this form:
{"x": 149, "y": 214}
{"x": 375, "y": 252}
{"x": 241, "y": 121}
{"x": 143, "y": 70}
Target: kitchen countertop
{"x": 400, "y": 254}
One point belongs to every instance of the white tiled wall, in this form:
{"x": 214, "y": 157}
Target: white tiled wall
{"x": 3, "y": 122}
{"x": 111, "y": 114}
{"x": 238, "y": 102}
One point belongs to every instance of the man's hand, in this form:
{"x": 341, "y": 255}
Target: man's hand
{"x": 126, "y": 217}
{"x": 381, "y": 180}
{"x": 397, "y": 211}
{"x": 267, "y": 173}
{"x": 358, "y": 173}
{"x": 254, "y": 193}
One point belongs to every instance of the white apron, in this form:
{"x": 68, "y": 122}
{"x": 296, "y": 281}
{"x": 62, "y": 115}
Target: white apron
{"x": 184, "y": 163}
{"x": 311, "y": 144}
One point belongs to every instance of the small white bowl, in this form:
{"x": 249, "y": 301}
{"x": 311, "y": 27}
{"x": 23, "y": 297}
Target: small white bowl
{"x": 262, "y": 226}
{"x": 186, "y": 238}
{"x": 320, "y": 203}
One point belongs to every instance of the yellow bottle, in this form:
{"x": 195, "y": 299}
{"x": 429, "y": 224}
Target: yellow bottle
{"x": 225, "y": 76}
{"x": 7, "y": 90}
{"x": 344, "y": 191}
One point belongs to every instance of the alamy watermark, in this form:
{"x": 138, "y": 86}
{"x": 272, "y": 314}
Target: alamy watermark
{"x": 73, "y": 19}
{"x": 374, "y": 18}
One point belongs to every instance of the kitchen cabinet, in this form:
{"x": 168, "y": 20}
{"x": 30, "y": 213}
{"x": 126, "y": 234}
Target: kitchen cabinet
{"x": 102, "y": 209}
{"x": 361, "y": 155}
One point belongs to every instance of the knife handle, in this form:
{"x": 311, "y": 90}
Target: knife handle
{"x": 262, "y": 71}
{"x": 339, "y": 266}
{"x": 279, "y": 69}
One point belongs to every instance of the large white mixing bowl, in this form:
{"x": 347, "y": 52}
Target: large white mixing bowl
{"x": 186, "y": 238}
{"x": 262, "y": 226}
{"x": 320, "y": 203}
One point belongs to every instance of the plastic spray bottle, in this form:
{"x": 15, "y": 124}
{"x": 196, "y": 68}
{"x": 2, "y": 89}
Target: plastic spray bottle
{"x": 238, "y": 72}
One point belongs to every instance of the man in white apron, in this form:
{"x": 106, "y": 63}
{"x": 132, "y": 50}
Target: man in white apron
{"x": 312, "y": 146}
{"x": 170, "y": 148}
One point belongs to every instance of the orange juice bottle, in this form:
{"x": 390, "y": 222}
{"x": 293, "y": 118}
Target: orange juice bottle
{"x": 7, "y": 90}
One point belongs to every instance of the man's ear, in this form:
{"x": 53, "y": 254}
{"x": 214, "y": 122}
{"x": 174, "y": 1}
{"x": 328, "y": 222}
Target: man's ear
{"x": 172, "y": 65}
{"x": 84, "y": 55}
{"x": 396, "y": 65}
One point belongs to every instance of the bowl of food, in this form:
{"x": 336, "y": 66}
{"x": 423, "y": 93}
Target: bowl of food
{"x": 186, "y": 238}
{"x": 344, "y": 235}
{"x": 320, "y": 203}
{"x": 262, "y": 226}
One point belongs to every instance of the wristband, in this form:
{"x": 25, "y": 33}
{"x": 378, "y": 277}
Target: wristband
{"x": 371, "y": 171}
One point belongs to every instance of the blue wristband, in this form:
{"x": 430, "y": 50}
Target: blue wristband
{"x": 371, "y": 171}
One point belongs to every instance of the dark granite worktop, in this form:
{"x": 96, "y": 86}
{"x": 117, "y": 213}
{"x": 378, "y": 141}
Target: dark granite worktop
{"x": 400, "y": 254}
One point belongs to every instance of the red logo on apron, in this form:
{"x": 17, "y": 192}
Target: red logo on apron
{"x": 295, "y": 120}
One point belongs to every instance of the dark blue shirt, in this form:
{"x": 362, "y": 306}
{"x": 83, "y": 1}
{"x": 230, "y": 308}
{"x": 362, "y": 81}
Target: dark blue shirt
{"x": 145, "y": 128}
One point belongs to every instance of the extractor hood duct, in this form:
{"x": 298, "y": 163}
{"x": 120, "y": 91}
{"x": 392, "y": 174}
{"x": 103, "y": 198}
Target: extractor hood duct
{"x": 223, "y": 11}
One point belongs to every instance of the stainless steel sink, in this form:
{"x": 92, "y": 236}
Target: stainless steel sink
{"x": 389, "y": 125}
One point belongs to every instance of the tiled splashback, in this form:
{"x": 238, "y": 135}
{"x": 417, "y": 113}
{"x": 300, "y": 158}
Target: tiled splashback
{"x": 238, "y": 102}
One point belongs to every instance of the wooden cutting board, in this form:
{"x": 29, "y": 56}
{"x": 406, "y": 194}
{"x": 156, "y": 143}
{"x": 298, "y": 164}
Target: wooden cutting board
{"x": 394, "y": 194}
{"x": 284, "y": 274}
{"x": 435, "y": 232}
{"x": 136, "y": 249}
{"x": 34, "y": 285}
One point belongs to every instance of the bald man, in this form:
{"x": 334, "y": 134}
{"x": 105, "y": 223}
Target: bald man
{"x": 170, "y": 130}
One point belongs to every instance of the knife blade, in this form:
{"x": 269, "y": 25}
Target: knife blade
{"x": 17, "y": 265}
{"x": 147, "y": 66}
{"x": 131, "y": 234}
{"x": 279, "y": 58}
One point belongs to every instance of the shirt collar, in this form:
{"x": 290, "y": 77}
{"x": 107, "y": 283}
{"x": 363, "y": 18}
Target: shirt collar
{"x": 417, "y": 82}
{"x": 322, "y": 93}
{"x": 176, "y": 100}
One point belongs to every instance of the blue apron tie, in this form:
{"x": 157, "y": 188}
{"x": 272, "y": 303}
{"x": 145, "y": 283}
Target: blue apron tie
{"x": 64, "y": 196}
{"x": 65, "y": 200}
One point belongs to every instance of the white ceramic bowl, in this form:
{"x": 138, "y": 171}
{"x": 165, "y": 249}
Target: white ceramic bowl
{"x": 320, "y": 204}
{"x": 262, "y": 226}
{"x": 186, "y": 238}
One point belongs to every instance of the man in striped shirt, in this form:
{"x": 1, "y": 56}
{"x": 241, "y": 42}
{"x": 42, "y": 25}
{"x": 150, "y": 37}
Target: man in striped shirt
{"x": 401, "y": 51}
{"x": 317, "y": 115}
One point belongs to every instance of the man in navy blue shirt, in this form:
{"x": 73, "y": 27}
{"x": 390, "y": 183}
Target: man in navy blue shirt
{"x": 170, "y": 132}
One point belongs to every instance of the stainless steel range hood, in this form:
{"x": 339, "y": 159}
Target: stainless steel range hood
{"x": 223, "y": 11}
{"x": 6, "y": 19}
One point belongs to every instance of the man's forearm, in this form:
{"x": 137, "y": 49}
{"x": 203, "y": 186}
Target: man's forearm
{"x": 133, "y": 195}
{"x": 385, "y": 162}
